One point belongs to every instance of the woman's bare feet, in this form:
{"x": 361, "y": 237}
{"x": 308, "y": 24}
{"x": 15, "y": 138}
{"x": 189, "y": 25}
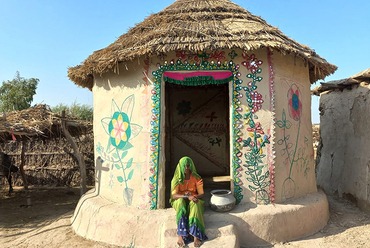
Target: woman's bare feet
{"x": 180, "y": 241}
{"x": 197, "y": 242}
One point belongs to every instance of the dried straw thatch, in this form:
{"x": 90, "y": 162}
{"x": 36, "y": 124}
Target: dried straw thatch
{"x": 347, "y": 83}
{"x": 196, "y": 25}
{"x": 38, "y": 122}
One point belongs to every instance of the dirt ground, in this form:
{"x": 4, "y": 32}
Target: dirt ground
{"x": 46, "y": 223}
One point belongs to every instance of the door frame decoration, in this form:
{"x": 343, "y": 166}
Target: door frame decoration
{"x": 205, "y": 62}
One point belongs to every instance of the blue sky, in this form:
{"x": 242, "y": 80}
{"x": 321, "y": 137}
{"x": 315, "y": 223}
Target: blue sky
{"x": 42, "y": 38}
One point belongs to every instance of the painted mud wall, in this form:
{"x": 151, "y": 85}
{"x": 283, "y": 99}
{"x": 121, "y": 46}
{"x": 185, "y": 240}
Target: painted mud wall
{"x": 122, "y": 135}
{"x": 294, "y": 162}
{"x": 129, "y": 111}
{"x": 343, "y": 167}
{"x": 250, "y": 113}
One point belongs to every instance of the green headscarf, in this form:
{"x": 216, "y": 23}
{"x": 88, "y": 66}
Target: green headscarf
{"x": 179, "y": 175}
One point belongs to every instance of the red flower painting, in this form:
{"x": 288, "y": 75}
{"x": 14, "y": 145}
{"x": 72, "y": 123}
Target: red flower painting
{"x": 252, "y": 63}
{"x": 181, "y": 55}
{"x": 295, "y": 104}
{"x": 256, "y": 100}
{"x": 217, "y": 56}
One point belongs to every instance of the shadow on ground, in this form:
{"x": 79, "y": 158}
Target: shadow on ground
{"x": 46, "y": 223}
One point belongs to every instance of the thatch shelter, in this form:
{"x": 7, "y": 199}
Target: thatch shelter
{"x": 342, "y": 165}
{"x": 37, "y": 123}
{"x": 209, "y": 80}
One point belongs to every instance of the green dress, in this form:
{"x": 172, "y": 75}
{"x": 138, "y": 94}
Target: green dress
{"x": 189, "y": 215}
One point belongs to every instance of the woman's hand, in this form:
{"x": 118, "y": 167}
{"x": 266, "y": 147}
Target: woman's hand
{"x": 193, "y": 198}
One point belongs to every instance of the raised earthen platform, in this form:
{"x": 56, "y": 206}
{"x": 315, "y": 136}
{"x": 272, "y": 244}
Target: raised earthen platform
{"x": 246, "y": 225}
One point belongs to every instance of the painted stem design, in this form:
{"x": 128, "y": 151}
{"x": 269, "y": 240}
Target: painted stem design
{"x": 291, "y": 160}
{"x": 123, "y": 169}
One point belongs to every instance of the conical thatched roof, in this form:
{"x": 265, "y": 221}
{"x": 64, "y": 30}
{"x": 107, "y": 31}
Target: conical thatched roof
{"x": 346, "y": 83}
{"x": 196, "y": 25}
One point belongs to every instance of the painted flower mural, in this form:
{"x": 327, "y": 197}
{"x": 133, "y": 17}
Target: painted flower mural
{"x": 252, "y": 63}
{"x": 119, "y": 127}
{"x": 295, "y": 156}
{"x": 256, "y": 100}
{"x": 212, "y": 116}
{"x": 294, "y": 102}
{"x": 233, "y": 54}
{"x": 183, "y": 107}
{"x": 217, "y": 56}
{"x": 120, "y": 131}
{"x": 255, "y": 167}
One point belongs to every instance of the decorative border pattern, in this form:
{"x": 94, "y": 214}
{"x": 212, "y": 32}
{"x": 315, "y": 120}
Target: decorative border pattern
{"x": 271, "y": 156}
{"x": 202, "y": 61}
{"x": 257, "y": 139}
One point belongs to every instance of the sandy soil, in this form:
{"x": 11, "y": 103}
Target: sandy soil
{"x": 46, "y": 223}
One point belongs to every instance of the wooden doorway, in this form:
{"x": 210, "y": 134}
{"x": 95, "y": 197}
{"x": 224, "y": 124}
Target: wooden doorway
{"x": 197, "y": 125}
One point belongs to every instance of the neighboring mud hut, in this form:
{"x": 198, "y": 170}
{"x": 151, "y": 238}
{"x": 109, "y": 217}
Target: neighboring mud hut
{"x": 36, "y": 143}
{"x": 209, "y": 80}
{"x": 343, "y": 165}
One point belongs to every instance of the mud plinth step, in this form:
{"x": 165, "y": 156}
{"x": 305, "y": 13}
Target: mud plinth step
{"x": 220, "y": 235}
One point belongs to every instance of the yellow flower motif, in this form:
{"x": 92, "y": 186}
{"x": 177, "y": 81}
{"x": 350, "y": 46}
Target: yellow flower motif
{"x": 119, "y": 129}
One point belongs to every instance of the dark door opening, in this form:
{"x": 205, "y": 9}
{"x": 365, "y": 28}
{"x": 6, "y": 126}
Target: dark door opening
{"x": 197, "y": 125}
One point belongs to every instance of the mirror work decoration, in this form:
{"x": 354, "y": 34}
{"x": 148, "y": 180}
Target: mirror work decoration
{"x": 252, "y": 167}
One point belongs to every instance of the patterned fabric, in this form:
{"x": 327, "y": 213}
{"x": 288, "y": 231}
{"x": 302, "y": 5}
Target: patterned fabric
{"x": 179, "y": 175}
{"x": 190, "y": 221}
{"x": 189, "y": 215}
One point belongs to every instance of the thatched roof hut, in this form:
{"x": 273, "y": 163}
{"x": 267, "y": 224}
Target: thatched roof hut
{"x": 196, "y": 26}
{"x": 38, "y": 122}
{"x": 208, "y": 80}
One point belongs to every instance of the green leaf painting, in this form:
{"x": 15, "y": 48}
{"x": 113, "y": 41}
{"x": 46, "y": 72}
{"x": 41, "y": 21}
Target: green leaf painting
{"x": 120, "y": 131}
{"x": 294, "y": 155}
{"x": 129, "y": 163}
{"x": 120, "y": 179}
{"x": 130, "y": 175}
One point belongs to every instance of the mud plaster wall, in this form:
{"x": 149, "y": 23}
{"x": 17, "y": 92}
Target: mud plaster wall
{"x": 121, "y": 100}
{"x": 240, "y": 129}
{"x": 126, "y": 175}
{"x": 294, "y": 162}
{"x": 343, "y": 167}
{"x": 129, "y": 162}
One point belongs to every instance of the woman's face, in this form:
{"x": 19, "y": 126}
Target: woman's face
{"x": 187, "y": 169}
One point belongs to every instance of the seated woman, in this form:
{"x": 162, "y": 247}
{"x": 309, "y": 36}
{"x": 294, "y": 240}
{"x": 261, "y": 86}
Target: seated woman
{"x": 186, "y": 199}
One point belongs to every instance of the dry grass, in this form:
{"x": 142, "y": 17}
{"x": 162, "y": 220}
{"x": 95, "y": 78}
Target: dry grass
{"x": 38, "y": 121}
{"x": 196, "y": 26}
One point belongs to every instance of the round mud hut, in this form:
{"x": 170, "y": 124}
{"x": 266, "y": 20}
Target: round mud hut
{"x": 208, "y": 80}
